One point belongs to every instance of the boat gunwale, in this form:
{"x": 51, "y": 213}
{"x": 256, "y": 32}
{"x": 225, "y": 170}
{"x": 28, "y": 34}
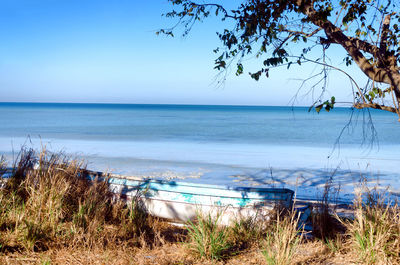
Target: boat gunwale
{"x": 93, "y": 174}
{"x": 191, "y": 184}
{"x": 290, "y": 197}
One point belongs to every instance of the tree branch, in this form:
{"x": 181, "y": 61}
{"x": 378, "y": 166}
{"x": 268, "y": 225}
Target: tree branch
{"x": 219, "y": 7}
{"x": 385, "y": 32}
{"x": 336, "y": 35}
{"x": 375, "y": 106}
{"x": 359, "y": 44}
{"x": 340, "y": 70}
{"x": 304, "y": 33}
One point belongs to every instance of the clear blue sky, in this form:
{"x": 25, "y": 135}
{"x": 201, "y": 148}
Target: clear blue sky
{"x": 107, "y": 51}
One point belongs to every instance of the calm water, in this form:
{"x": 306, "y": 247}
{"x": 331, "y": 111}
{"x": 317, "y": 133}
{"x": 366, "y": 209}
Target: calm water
{"x": 219, "y": 144}
{"x": 201, "y": 124}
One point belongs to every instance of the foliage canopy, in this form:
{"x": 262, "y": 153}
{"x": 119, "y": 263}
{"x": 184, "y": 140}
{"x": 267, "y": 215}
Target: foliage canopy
{"x": 282, "y": 33}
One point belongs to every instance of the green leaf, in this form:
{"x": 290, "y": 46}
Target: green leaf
{"x": 239, "y": 70}
{"x": 319, "y": 107}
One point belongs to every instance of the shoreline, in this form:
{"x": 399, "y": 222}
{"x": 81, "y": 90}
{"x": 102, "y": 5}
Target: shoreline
{"x": 308, "y": 184}
{"x": 80, "y": 212}
{"x": 300, "y": 168}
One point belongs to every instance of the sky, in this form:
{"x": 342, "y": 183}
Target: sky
{"x": 102, "y": 51}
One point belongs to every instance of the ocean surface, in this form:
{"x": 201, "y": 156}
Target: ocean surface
{"x": 228, "y": 145}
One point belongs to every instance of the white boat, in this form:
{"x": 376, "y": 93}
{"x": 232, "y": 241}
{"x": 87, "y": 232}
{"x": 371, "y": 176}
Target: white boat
{"x": 183, "y": 201}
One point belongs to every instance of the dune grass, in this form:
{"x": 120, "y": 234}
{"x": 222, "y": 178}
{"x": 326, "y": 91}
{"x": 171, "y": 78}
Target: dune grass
{"x": 245, "y": 233}
{"x": 50, "y": 213}
{"x": 49, "y": 202}
{"x": 283, "y": 239}
{"x": 374, "y": 234}
{"x": 207, "y": 238}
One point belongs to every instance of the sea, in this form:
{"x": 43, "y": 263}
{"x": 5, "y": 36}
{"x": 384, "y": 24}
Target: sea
{"x": 263, "y": 146}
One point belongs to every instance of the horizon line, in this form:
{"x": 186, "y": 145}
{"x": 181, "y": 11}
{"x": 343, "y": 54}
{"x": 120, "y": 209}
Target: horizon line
{"x": 164, "y": 104}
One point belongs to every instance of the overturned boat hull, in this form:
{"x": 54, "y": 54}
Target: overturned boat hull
{"x": 183, "y": 201}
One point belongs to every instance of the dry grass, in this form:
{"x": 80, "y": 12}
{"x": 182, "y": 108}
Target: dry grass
{"x": 326, "y": 226}
{"x": 374, "y": 234}
{"x": 55, "y": 205}
{"x": 248, "y": 233}
{"x": 283, "y": 239}
{"x": 50, "y": 213}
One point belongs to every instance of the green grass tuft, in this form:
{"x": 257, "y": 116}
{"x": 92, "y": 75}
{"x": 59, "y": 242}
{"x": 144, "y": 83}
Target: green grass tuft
{"x": 207, "y": 239}
{"x": 282, "y": 239}
{"x": 374, "y": 233}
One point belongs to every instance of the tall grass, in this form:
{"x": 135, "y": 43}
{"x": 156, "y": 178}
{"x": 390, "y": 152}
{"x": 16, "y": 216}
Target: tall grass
{"x": 48, "y": 201}
{"x": 325, "y": 225}
{"x": 374, "y": 234}
{"x": 3, "y": 165}
{"x": 206, "y": 238}
{"x": 283, "y": 239}
{"x": 245, "y": 232}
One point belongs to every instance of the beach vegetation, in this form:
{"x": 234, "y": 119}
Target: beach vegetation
{"x": 50, "y": 212}
{"x": 207, "y": 238}
{"x": 324, "y": 222}
{"x": 334, "y": 245}
{"x": 48, "y": 200}
{"x": 246, "y": 232}
{"x": 285, "y": 34}
{"x": 283, "y": 239}
{"x": 374, "y": 233}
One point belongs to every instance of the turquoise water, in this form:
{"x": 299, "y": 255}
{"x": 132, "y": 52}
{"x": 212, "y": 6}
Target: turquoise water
{"x": 219, "y": 144}
{"x": 185, "y": 123}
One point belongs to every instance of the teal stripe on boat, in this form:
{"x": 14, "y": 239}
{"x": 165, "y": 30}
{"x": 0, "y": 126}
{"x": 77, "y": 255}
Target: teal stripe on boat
{"x": 208, "y": 186}
{"x": 206, "y": 199}
{"x": 254, "y": 193}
